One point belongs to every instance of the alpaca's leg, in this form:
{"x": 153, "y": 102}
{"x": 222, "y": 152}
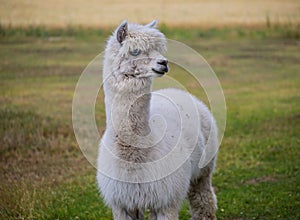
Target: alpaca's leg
{"x": 123, "y": 214}
{"x": 152, "y": 215}
{"x": 166, "y": 214}
{"x": 136, "y": 214}
{"x": 203, "y": 203}
{"x": 120, "y": 214}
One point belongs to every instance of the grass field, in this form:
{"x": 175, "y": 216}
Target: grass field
{"x": 44, "y": 175}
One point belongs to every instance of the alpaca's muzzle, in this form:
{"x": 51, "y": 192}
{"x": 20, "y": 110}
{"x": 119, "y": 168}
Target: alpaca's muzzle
{"x": 162, "y": 67}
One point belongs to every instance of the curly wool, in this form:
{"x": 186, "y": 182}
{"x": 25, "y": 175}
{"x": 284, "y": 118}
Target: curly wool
{"x": 140, "y": 165}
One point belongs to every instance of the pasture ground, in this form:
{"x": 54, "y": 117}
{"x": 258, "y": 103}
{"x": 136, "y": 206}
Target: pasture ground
{"x": 44, "y": 175}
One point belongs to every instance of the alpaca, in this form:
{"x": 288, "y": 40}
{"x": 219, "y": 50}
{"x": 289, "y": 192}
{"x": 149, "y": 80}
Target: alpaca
{"x": 150, "y": 152}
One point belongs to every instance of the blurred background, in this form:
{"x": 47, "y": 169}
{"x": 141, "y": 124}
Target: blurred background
{"x": 187, "y": 13}
{"x": 253, "y": 47}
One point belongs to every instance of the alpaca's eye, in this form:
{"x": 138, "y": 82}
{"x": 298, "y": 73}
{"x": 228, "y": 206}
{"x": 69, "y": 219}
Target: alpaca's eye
{"x": 135, "y": 52}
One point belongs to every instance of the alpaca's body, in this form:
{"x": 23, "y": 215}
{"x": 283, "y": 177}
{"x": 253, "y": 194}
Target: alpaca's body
{"x": 142, "y": 166}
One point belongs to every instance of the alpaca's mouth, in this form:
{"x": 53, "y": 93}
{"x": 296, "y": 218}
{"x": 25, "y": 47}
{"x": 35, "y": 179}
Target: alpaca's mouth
{"x": 161, "y": 72}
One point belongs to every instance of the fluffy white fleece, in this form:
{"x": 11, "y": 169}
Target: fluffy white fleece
{"x": 150, "y": 152}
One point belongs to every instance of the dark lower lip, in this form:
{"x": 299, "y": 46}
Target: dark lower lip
{"x": 158, "y": 72}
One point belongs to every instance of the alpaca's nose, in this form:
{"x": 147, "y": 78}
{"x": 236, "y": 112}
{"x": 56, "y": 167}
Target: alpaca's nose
{"x": 161, "y": 67}
{"x": 163, "y": 62}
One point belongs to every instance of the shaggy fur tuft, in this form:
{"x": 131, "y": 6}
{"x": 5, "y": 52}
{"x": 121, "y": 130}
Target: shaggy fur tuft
{"x": 150, "y": 152}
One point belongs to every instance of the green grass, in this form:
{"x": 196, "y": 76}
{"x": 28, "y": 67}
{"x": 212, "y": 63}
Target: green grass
{"x": 45, "y": 176}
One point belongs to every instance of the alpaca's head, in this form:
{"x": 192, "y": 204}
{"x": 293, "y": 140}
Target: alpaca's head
{"x": 135, "y": 51}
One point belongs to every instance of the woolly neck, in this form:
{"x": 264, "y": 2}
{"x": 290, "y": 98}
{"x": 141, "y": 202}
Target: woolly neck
{"x": 127, "y": 104}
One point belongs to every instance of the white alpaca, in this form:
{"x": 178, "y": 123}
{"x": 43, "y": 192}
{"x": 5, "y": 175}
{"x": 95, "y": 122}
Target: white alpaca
{"x": 150, "y": 152}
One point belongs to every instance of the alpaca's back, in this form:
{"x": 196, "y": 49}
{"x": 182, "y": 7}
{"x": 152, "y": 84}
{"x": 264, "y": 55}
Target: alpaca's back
{"x": 176, "y": 114}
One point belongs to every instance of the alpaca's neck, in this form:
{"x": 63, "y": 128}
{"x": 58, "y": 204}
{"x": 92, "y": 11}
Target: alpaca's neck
{"x": 127, "y": 109}
{"x": 130, "y": 115}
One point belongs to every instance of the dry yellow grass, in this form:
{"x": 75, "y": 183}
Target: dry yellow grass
{"x": 105, "y": 13}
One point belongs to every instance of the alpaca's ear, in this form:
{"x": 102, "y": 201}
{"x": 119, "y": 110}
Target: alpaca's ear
{"x": 122, "y": 31}
{"x": 152, "y": 24}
